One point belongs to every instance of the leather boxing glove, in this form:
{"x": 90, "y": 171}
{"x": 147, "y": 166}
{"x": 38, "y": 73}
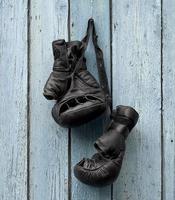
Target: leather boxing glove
{"x": 80, "y": 98}
{"x": 104, "y": 167}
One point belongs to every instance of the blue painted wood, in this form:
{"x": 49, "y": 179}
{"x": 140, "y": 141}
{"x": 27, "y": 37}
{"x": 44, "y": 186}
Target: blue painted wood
{"x": 137, "y": 82}
{"x": 48, "y": 141}
{"x": 136, "y": 58}
{"x": 83, "y": 138}
{"x": 13, "y": 99}
{"x": 168, "y": 100}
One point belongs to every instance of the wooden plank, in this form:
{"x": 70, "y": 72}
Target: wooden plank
{"x": 84, "y": 136}
{"x": 48, "y": 141}
{"x": 137, "y": 82}
{"x": 168, "y": 100}
{"x": 13, "y": 98}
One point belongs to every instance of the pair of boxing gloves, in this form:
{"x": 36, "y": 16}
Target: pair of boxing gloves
{"x": 103, "y": 167}
{"x": 80, "y": 99}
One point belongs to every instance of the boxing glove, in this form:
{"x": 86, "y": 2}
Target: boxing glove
{"x": 104, "y": 167}
{"x": 80, "y": 98}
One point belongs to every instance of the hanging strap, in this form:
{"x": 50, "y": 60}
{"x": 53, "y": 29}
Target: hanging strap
{"x": 99, "y": 58}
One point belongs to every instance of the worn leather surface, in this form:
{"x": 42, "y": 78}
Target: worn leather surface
{"x": 80, "y": 98}
{"x": 104, "y": 167}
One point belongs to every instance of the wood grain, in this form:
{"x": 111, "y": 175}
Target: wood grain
{"x": 84, "y": 137}
{"x": 168, "y": 100}
{"x": 48, "y": 141}
{"x": 13, "y": 99}
{"x": 137, "y": 82}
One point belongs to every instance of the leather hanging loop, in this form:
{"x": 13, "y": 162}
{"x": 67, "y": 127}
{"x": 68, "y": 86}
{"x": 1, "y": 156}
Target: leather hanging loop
{"x": 90, "y": 26}
{"x": 101, "y": 67}
{"x": 99, "y": 59}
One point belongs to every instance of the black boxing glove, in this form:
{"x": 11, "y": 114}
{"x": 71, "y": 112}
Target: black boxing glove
{"x": 80, "y": 98}
{"x": 104, "y": 167}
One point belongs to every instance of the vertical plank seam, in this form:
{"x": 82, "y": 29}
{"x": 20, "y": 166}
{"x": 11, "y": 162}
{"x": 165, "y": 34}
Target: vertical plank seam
{"x": 111, "y": 70}
{"x": 28, "y": 97}
{"x": 69, "y": 166}
{"x": 68, "y": 23}
{"x": 162, "y": 138}
{"x": 69, "y": 130}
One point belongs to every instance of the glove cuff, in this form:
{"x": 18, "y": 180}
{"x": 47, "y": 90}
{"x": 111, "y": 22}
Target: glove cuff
{"x": 125, "y": 115}
{"x": 112, "y": 142}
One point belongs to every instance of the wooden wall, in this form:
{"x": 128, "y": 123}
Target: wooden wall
{"x": 36, "y": 155}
